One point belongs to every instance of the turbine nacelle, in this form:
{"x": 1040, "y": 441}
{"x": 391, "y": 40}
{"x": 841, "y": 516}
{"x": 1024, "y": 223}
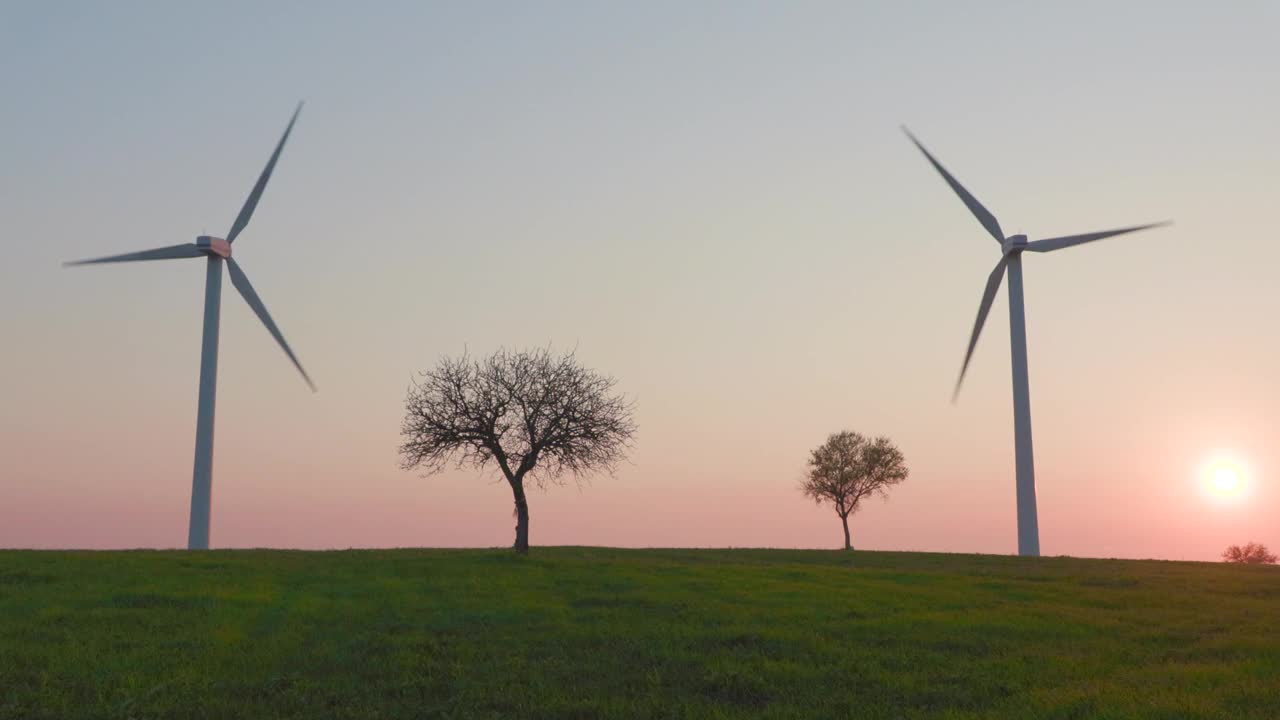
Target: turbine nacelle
{"x": 1014, "y": 243}
{"x": 214, "y": 246}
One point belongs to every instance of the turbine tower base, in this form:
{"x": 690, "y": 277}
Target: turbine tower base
{"x": 1024, "y": 459}
{"x": 202, "y": 476}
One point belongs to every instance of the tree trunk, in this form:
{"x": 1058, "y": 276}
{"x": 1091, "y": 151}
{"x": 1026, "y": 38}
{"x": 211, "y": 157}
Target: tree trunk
{"x": 844, "y": 519}
{"x": 522, "y": 518}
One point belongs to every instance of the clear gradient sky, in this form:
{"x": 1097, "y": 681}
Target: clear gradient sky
{"x": 712, "y": 201}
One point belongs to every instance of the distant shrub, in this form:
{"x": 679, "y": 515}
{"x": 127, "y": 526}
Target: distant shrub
{"x": 1249, "y": 554}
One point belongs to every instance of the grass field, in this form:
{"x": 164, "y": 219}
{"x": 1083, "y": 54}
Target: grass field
{"x": 604, "y": 633}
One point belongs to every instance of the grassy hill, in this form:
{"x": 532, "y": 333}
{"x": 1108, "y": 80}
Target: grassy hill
{"x": 605, "y": 633}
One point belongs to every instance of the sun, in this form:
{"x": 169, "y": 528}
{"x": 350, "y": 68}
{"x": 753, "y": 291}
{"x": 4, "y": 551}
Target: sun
{"x": 1224, "y": 478}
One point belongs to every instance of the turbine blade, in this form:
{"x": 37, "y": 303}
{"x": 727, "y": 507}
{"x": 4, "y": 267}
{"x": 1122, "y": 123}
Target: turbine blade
{"x": 172, "y": 252}
{"x": 242, "y": 284}
{"x": 984, "y": 216}
{"x": 1057, "y": 243}
{"x": 988, "y": 296}
{"x": 246, "y": 212}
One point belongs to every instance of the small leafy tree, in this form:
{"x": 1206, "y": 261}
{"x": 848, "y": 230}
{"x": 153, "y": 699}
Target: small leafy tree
{"x": 1250, "y": 554}
{"x": 848, "y": 468}
{"x": 538, "y": 417}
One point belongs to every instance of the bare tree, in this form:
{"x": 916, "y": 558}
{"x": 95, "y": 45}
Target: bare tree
{"x": 848, "y": 468}
{"x": 1251, "y": 554}
{"x": 536, "y": 416}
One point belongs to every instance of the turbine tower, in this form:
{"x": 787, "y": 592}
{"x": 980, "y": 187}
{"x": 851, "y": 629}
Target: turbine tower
{"x": 1011, "y": 249}
{"x": 216, "y": 251}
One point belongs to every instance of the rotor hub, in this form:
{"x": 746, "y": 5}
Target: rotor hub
{"x": 214, "y": 246}
{"x": 1014, "y": 243}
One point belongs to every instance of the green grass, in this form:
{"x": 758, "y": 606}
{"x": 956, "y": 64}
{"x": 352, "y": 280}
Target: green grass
{"x": 604, "y": 633}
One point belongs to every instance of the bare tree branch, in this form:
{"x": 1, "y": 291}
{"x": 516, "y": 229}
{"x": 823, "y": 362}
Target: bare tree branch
{"x": 536, "y": 416}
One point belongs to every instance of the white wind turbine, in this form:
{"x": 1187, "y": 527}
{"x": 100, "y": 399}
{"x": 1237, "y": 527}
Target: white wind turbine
{"x": 215, "y": 250}
{"x": 1012, "y": 248}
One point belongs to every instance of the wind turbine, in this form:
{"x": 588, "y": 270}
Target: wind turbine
{"x": 216, "y": 251}
{"x": 1011, "y": 248}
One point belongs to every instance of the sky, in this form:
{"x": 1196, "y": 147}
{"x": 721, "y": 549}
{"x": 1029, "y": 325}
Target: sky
{"x": 712, "y": 202}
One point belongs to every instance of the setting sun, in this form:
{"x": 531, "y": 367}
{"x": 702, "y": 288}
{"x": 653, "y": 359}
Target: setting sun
{"x": 1225, "y": 479}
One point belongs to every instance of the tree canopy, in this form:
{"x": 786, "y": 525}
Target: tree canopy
{"x": 1249, "y": 554}
{"x": 848, "y": 468}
